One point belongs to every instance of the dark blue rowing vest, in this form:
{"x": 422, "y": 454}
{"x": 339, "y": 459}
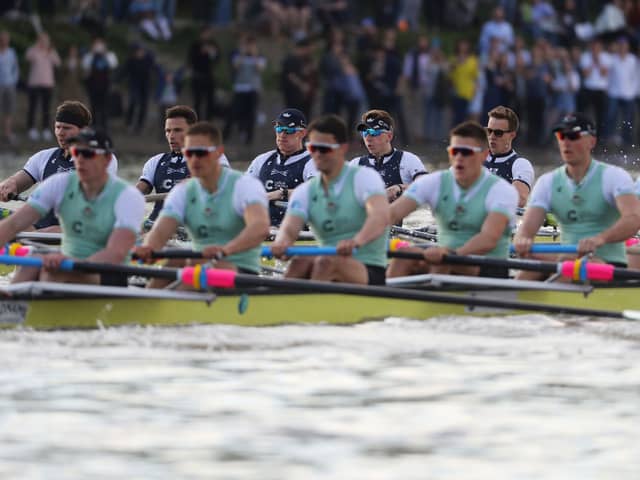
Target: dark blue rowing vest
{"x": 389, "y": 170}
{"x": 275, "y": 176}
{"x": 502, "y": 169}
{"x": 56, "y": 163}
{"x": 166, "y": 176}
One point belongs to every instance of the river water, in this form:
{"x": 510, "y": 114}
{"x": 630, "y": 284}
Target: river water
{"x": 523, "y": 397}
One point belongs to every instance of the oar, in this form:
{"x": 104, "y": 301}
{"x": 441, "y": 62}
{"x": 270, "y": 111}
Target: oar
{"x": 214, "y": 278}
{"x": 396, "y": 230}
{"x": 575, "y": 269}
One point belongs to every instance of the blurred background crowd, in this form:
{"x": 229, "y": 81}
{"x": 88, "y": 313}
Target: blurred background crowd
{"x": 431, "y": 64}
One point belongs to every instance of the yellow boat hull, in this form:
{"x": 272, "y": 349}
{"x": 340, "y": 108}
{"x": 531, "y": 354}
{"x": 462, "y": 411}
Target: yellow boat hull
{"x": 267, "y": 309}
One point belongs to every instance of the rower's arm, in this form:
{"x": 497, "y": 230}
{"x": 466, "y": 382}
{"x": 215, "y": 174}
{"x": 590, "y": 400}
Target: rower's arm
{"x": 120, "y": 242}
{"x": 523, "y": 192}
{"x": 256, "y": 219}
{"x": 531, "y": 223}
{"x": 488, "y": 237}
{"x": 163, "y": 229}
{"x": 378, "y": 218}
{"x": 288, "y": 231}
{"x": 629, "y": 222}
{"x": 402, "y": 207}
{"x": 144, "y": 187}
{"x": 20, "y": 220}
{"x": 15, "y": 184}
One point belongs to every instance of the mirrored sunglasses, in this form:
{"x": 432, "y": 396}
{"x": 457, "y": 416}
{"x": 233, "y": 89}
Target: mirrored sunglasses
{"x": 88, "y": 153}
{"x": 287, "y": 130}
{"x": 198, "y": 151}
{"x": 322, "y": 147}
{"x": 573, "y": 136}
{"x": 373, "y": 132}
{"x": 464, "y": 150}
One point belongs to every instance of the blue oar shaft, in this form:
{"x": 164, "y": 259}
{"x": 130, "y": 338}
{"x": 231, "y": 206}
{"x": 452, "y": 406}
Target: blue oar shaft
{"x": 549, "y": 248}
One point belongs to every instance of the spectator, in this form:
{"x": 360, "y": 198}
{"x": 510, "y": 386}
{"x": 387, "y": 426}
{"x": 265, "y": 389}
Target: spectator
{"x": 332, "y": 13}
{"x": 138, "y": 70}
{"x": 623, "y": 85}
{"x": 464, "y": 75}
{"x": 497, "y": 27}
{"x": 611, "y": 21}
{"x": 595, "y": 65}
{"x": 9, "y": 74}
{"x": 203, "y": 55}
{"x": 565, "y": 83}
{"x": 98, "y": 65}
{"x": 150, "y": 19}
{"x": 71, "y": 79}
{"x": 248, "y": 65}
{"x": 355, "y": 98}
{"x": 543, "y": 20}
{"x": 299, "y": 78}
{"x": 331, "y": 74}
{"x": 43, "y": 59}
{"x": 568, "y": 19}
{"x": 416, "y": 74}
{"x": 538, "y": 80}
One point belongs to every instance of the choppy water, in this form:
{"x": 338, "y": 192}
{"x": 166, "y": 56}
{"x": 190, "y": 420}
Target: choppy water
{"x": 525, "y": 397}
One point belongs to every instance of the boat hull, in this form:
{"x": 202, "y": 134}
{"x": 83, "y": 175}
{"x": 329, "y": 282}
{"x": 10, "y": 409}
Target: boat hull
{"x": 263, "y": 308}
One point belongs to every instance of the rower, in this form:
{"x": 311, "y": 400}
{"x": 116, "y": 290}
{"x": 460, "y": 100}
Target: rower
{"x": 100, "y": 214}
{"x": 398, "y": 168}
{"x": 345, "y": 206}
{"x": 164, "y": 170}
{"x": 283, "y": 169}
{"x": 594, "y": 203}
{"x": 503, "y": 160}
{"x": 224, "y": 211}
{"x": 71, "y": 116}
{"x": 472, "y": 208}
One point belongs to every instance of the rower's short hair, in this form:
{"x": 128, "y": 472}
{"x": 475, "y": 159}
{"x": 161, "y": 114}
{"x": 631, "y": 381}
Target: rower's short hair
{"x": 181, "y": 111}
{"x": 76, "y": 110}
{"x": 505, "y": 113}
{"x": 470, "y": 129}
{"x": 207, "y": 129}
{"x": 331, "y": 124}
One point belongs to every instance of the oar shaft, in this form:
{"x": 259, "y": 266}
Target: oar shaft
{"x": 227, "y": 279}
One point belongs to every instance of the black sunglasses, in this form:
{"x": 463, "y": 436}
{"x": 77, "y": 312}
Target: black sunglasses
{"x": 496, "y": 131}
{"x": 322, "y": 147}
{"x": 465, "y": 151}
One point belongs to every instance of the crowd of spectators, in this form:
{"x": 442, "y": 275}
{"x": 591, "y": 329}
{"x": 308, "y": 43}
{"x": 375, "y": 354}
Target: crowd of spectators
{"x": 410, "y": 57}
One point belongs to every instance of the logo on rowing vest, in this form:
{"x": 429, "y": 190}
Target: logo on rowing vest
{"x": 167, "y": 184}
{"x": 328, "y": 226}
{"x": 12, "y": 313}
{"x": 453, "y": 225}
{"x": 87, "y": 212}
{"x": 203, "y": 231}
{"x": 77, "y": 227}
{"x": 572, "y": 216}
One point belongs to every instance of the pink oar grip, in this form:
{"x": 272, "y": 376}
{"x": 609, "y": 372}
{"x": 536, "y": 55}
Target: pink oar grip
{"x": 221, "y": 278}
{"x": 587, "y": 271}
{"x": 600, "y": 271}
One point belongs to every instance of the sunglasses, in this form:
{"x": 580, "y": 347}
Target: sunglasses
{"x": 322, "y": 147}
{"x": 496, "y": 131}
{"x": 373, "y": 132}
{"x": 464, "y": 150}
{"x": 573, "y": 136}
{"x": 198, "y": 151}
{"x": 87, "y": 153}
{"x": 287, "y": 130}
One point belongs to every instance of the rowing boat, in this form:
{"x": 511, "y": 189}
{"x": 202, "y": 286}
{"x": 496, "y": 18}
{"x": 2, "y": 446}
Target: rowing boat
{"x": 44, "y": 305}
